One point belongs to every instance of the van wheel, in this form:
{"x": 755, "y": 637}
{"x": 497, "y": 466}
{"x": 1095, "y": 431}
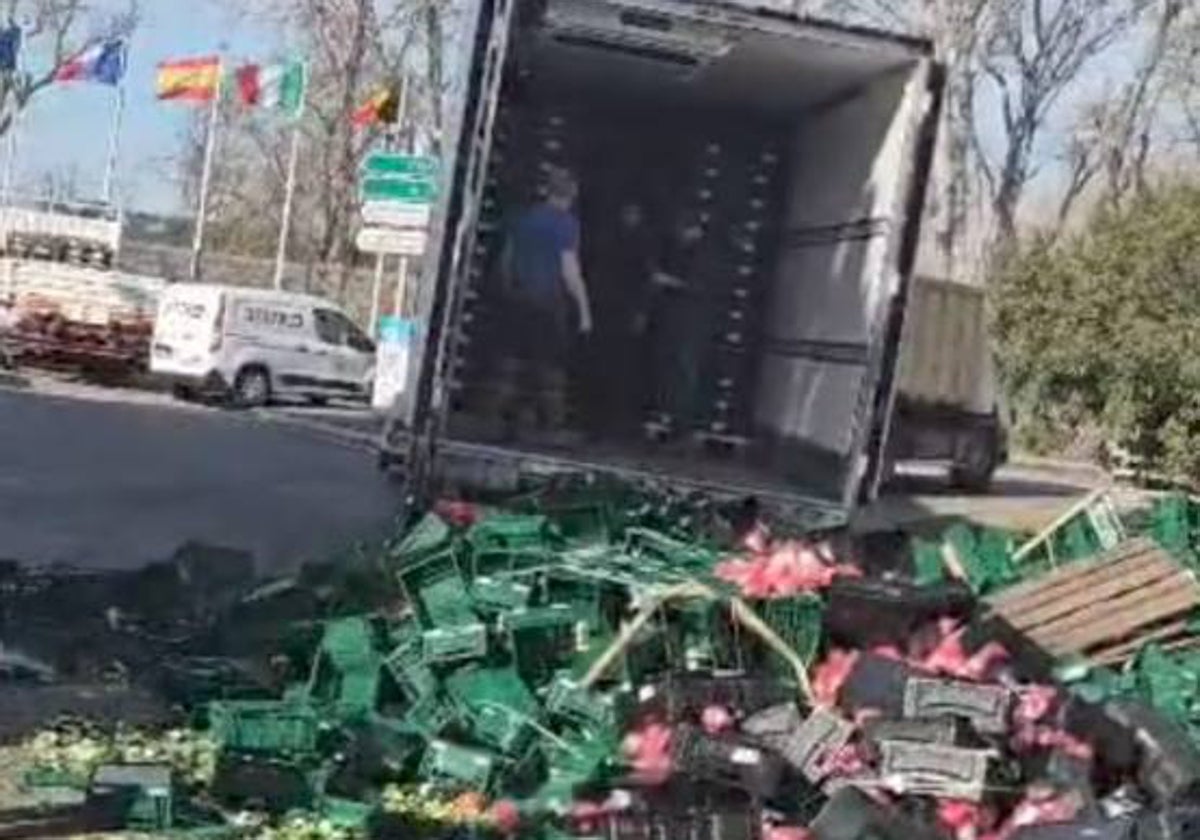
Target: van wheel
{"x": 252, "y": 387}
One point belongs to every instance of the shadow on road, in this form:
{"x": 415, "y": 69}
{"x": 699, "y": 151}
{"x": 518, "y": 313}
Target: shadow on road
{"x": 1008, "y": 487}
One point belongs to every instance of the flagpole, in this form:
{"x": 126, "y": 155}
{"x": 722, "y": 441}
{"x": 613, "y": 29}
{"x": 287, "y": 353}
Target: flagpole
{"x": 205, "y": 179}
{"x": 10, "y": 158}
{"x": 114, "y": 142}
{"x": 289, "y": 195}
{"x": 14, "y": 131}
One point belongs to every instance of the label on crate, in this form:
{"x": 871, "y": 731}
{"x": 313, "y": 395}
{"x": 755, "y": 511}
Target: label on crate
{"x": 935, "y": 770}
{"x": 985, "y": 706}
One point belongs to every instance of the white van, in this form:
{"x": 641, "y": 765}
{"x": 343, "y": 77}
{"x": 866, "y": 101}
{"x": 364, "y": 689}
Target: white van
{"x": 257, "y": 345}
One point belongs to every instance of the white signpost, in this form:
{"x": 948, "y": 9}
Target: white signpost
{"x": 380, "y": 240}
{"x": 389, "y": 214}
{"x": 397, "y": 193}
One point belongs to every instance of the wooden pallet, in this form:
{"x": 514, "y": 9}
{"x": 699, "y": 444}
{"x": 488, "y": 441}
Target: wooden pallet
{"x": 1106, "y": 609}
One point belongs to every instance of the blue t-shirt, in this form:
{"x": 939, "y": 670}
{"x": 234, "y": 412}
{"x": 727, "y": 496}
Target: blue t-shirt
{"x": 538, "y": 239}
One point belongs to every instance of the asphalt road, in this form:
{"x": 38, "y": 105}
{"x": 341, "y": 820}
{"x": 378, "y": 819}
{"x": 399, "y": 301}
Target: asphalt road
{"x": 110, "y": 483}
{"x": 108, "y": 477}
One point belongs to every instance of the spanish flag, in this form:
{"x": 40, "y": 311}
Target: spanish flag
{"x": 190, "y": 80}
{"x": 383, "y": 108}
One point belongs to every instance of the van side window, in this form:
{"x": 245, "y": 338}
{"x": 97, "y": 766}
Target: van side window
{"x": 356, "y": 338}
{"x": 331, "y": 327}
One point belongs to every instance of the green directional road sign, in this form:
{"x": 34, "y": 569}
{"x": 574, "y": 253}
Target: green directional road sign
{"x": 413, "y": 166}
{"x": 399, "y": 189}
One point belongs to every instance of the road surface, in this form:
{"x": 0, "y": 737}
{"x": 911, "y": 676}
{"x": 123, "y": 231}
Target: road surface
{"x": 105, "y": 477}
{"x": 108, "y": 483}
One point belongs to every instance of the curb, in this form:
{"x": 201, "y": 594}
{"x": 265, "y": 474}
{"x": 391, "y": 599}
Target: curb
{"x": 13, "y": 380}
{"x": 1078, "y": 467}
{"x": 349, "y": 438}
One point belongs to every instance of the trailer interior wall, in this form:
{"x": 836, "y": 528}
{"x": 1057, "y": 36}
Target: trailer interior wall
{"x": 838, "y": 273}
{"x": 852, "y": 104}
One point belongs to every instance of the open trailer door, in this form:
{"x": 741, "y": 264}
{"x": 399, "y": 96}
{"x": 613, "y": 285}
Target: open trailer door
{"x": 824, "y": 245}
{"x": 416, "y": 425}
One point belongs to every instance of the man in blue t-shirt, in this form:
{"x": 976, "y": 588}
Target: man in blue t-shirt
{"x": 546, "y": 301}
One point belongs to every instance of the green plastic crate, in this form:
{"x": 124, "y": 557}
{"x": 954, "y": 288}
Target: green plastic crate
{"x": 511, "y": 542}
{"x": 347, "y": 669}
{"x": 567, "y": 699}
{"x": 435, "y": 586}
{"x": 544, "y": 639}
{"x": 668, "y": 553}
{"x": 466, "y": 766}
{"x": 497, "y": 705}
{"x": 265, "y": 726}
{"x": 797, "y": 621}
{"x": 445, "y": 644}
{"x": 500, "y": 593}
{"x": 429, "y": 717}
{"x": 429, "y": 536}
{"x": 347, "y": 814}
{"x": 406, "y": 664}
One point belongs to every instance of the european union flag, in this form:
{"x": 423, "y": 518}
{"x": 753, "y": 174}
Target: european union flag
{"x": 10, "y": 48}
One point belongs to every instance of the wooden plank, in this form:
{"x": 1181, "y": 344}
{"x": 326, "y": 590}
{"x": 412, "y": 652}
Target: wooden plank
{"x": 1040, "y": 589}
{"x": 1100, "y": 613}
{"x": 1142, "y": 575}
{"x": 1165, "y": 601}
{"x": 1164, "y": 635}
{"x": 1083, "y": 585}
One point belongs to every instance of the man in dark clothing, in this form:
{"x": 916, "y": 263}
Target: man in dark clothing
{"x": 623, "y": 264}
{"x": 545, "y": 302}
{"x": 679, "y": 330}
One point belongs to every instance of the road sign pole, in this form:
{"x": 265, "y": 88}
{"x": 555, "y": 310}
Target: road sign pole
{"x": 401, "y": 287}
{"x": 376, "y": 288}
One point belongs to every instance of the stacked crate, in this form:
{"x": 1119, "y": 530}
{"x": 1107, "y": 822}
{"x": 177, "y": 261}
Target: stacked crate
{"x": 731, "y": 187}
{"x": 747, "y": 212}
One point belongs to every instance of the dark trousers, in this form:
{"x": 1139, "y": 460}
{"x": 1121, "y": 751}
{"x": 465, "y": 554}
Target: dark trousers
{"x": 680, "y": 342}
{"x": 531, "y": 376}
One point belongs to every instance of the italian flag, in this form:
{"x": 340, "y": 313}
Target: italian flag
{"x": 280, "y": 87}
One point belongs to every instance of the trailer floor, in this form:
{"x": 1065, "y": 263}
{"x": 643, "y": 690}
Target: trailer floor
{"x": 728, "y": 473}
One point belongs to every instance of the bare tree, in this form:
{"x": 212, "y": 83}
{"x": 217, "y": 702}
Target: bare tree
{"x": 955, "y": 28}
{"x": 1034, "y": 51}
{"x": 56, "y": 31}
{"x": 353, "y": 47}
{"x": 1182, "y": 78}
{"x": 1113, "y": 138}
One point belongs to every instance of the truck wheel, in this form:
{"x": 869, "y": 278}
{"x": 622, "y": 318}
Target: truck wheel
{"x": 252, "y": 387}
{"x": 973, "y": 468}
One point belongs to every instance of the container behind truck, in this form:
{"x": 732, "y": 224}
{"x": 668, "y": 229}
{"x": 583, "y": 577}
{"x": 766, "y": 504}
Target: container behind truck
{"x": 804, "y": 145}
{"x": 948, "y": 406}
{"x": 67, "y": 314}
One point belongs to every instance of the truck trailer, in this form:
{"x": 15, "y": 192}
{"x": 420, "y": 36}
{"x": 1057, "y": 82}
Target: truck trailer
{"x": 949, "y": 407}
{"x": 803, "y": 147}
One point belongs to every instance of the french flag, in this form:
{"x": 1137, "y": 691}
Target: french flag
{"x": 102, "y": 63}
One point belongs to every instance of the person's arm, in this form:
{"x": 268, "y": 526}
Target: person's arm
{"x": 572, "y": 273}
